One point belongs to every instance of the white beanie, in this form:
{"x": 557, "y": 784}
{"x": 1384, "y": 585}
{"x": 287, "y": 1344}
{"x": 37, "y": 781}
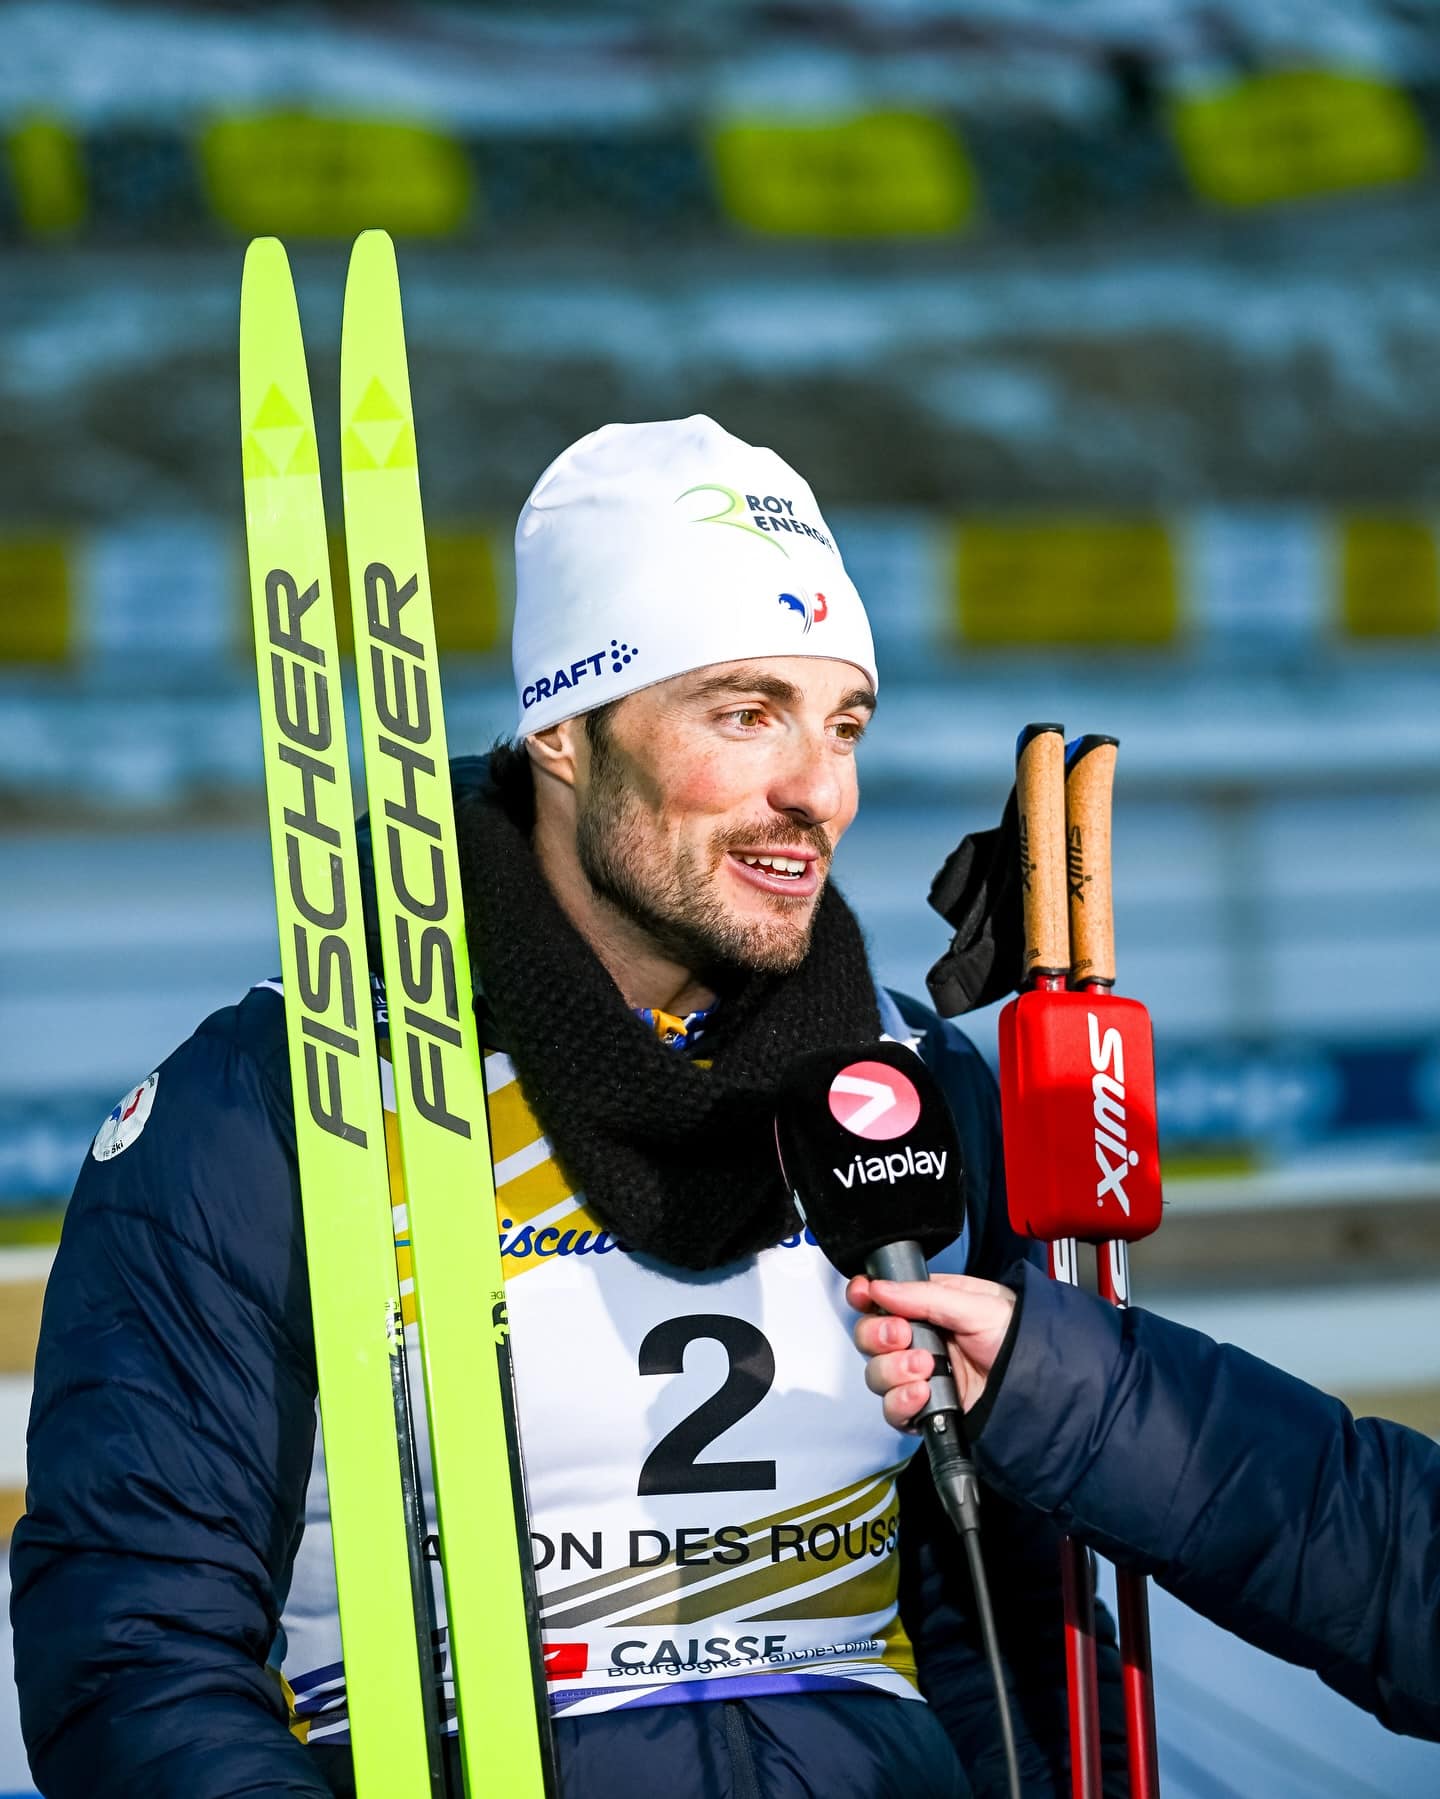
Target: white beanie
{"x": 646, "y": 551}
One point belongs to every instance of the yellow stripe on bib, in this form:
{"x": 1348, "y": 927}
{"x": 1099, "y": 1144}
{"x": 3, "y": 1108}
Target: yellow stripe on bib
{"x": 512, "y": 1123}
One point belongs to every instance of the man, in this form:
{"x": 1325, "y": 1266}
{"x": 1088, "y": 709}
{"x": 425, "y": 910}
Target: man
{"x": 715, "y": 1503}
{"x": 1251, "y": 1496}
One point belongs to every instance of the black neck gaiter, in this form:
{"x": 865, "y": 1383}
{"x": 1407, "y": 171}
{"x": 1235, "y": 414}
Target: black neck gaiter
{"x": 675, "y": 1157}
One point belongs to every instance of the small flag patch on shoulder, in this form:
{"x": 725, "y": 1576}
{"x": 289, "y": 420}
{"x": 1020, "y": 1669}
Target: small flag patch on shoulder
{"x": 125, "y": 1121}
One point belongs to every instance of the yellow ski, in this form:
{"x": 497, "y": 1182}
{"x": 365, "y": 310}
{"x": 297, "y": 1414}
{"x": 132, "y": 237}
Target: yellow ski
{"x": 439, "y": 1090}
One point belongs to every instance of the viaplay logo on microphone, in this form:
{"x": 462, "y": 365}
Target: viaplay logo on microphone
{"x": 874, "y": 1100}
{"x": 878, "y": 1102}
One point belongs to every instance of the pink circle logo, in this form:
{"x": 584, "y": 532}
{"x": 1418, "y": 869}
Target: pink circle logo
{"x": 874, "y": 1100}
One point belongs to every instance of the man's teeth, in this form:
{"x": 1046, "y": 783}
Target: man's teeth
{"x": 780, "y": 865}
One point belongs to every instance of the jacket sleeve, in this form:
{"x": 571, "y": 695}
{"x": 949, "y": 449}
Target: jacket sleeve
{"x": 1257, "y": 1500}
{"x": 169, "y": 1448}
{"x": 1021, "y": 1546}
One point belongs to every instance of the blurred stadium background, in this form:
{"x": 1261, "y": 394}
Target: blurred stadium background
{"x": 1108, "y": 333}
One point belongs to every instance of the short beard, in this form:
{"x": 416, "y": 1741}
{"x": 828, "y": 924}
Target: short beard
{"x": 678, "y": 912}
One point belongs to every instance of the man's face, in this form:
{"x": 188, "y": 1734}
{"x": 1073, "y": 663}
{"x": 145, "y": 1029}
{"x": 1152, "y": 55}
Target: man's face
{"x": 692, "y": 782}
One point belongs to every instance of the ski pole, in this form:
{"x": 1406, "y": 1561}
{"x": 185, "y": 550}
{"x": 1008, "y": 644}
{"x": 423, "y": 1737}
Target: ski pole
{"x": 1089, "y": 786}
{"x": 1024, "y": 1025}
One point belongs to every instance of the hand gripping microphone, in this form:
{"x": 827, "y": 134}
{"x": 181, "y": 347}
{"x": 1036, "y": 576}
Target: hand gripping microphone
{"x": 869, "y": 1150}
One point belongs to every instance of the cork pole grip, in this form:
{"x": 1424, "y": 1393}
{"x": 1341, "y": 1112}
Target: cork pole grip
{"x": 1089, "y": 783}
{"x": 1040, "y": 800}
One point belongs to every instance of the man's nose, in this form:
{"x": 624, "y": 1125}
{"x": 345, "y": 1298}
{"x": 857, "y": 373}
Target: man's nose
{"x": 808, "y": 785}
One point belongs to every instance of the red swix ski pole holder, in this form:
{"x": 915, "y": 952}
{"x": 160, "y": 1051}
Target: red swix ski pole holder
{"x": 1082, "y": 1161}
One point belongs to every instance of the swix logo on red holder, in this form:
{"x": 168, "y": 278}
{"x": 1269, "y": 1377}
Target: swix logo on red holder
{"x": 1111, "y": 1153}
{"x": 566, "y": 1661}
{"x": 875, "y": 1101}
{"x": 1077, "y": 1088}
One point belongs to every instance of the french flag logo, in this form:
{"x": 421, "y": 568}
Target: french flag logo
{"x": 810, "y": 609}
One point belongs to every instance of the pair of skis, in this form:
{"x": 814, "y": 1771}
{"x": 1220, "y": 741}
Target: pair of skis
{"x": 383, "y": 1580}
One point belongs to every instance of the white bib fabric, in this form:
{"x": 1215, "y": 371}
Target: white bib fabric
{"x": 711, "y": 1487}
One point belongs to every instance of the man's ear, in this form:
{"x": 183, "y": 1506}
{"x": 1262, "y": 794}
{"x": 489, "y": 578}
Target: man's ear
{"x": 560, "y": 751}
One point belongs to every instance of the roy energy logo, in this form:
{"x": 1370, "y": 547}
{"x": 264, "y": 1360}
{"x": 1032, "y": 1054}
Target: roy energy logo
{"x": 768, "y": 516}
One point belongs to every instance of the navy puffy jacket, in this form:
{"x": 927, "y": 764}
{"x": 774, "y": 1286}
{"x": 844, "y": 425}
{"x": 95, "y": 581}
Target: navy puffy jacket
{"x": 170, "y": 1446}
{"x": 1254, "y": 1498}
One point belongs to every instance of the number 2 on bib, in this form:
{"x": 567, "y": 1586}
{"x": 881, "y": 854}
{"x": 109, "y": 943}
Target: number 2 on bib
{"x": 671, "y": 1466}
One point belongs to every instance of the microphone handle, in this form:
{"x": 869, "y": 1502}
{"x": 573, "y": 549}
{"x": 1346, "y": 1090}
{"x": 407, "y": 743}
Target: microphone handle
{"x": 906, "y": 1262}
{"x": 956, "y": 1482}
{"x": 940, "y": 1419}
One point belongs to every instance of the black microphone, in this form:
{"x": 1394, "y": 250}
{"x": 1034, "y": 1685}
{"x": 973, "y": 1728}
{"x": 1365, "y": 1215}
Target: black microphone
{"x": 869, "y": 1150}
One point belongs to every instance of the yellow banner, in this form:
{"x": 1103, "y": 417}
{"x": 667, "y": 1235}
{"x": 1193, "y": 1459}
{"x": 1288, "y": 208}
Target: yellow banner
{"x": 48, "y": 177}
{"x": 1292, "y": 133}
{"x": 879, "y": 174}
{"x": 1389, "y": 577}
{"x": 1035, "y": 581}
{"x": 303, "y": 176}
{"x": 36, "y": 605}
{"x": 465, "y": 592}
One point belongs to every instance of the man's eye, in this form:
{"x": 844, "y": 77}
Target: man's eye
{"x": 746, "y": 716}
{"x": 850, "y": 729}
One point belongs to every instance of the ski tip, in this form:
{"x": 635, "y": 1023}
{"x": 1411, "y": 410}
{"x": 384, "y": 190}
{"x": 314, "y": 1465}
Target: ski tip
{"x": 266, "y": 251}
{"x": 371, "y": 329}
{"x": 373, "y": 248}
{"x": 373, "y": 270}
{"x": 266, "y": 273}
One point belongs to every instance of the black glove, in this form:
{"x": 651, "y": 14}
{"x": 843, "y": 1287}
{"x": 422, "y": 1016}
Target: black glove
{"x": 977, "y": 893}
